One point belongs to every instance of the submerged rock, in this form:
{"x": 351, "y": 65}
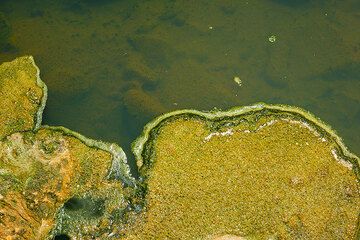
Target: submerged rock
{"x": 4, "y": 31}
{"x": 262, "y": 171}
{"x": 139, "y": 103}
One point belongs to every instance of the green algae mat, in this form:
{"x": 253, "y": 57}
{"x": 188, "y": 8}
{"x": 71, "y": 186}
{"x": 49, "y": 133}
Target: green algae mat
{"x": 255, "y": 172}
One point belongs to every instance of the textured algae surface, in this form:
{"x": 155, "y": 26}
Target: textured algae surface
{"x": 22, "y": 95}
{"x": 261, "y": 175}
{"x": 52, "y": 183}
{"x": 256, "y": 172}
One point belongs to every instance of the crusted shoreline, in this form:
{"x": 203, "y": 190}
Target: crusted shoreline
{"x": 42, "y": 85}
{"x": 119, "y": 170}
{"x": 139, "y": 144}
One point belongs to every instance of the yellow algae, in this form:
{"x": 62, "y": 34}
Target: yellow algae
{"x": 260, "y": 174}
{"x": 22, "y": 94}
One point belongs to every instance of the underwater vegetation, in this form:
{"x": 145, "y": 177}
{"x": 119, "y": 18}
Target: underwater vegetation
{"x": 256, "y": 172}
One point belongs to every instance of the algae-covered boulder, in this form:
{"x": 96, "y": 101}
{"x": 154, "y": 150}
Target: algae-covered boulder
{"x": 23, "y": 96}
{"x": 259, "y": 172}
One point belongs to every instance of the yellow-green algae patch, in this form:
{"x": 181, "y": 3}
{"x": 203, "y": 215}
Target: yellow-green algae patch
{"x": 258, "y": 172}
{"x": 23, "y": 96}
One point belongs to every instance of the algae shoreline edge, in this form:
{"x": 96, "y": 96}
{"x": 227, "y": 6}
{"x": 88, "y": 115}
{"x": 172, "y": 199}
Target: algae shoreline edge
{"x": 139, "y": 143}
{"x": 42, "y": 85}
{"x": 119, "y": 170}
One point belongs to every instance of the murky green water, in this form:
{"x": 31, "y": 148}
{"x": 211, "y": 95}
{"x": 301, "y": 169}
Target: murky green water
{"x": 111, "y": 66}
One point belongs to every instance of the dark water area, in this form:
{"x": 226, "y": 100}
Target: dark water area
{"x": 112, "y": 66}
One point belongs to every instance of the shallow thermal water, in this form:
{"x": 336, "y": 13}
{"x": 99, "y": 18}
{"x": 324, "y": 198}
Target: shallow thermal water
{"x": 111, "y": 66}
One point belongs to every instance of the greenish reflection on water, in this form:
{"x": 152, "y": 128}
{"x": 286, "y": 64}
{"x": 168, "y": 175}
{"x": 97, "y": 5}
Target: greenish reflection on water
{"x": 111, "y": 66}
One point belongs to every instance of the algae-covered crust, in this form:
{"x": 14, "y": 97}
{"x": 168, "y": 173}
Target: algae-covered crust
{"x": 53, "y": 181}
{"x": 50, "y": 175}
{"x": 23, "y": 96}
{"x": 258, "y": 172}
